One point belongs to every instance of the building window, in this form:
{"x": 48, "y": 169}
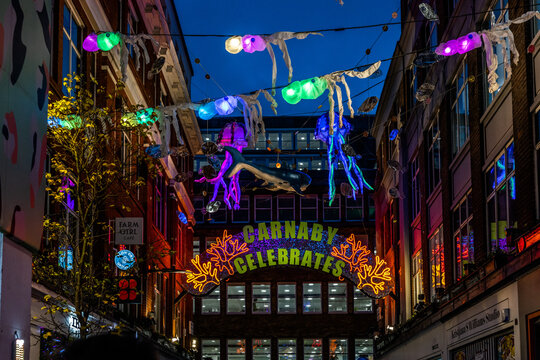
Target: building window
{"x": 302, "y": 141}
{"x": 211, "y": 303}
{"x": 312, "y": 349}
{"x": 287, "y": 349}
{"x": 285, "y": 207}
{"x": 286, "y": 298}
{"x": 261, "y": 349}
{"x": 434, "y": 155}
{"x": 242, "y": 214}
{"x": 196, "y": 246}
{"x": 533, "y": 334}
{"x": 354, "y": 210}
{"x": 318, "y": 165}
{"x": 312, "y": 298}
{"x": 371, "y": 208}
{"x": 436, "y": 262}
{"x": 363, "y": 348}
{"x": 279, "y": 140}
{"x": 332, "y": 212}
{"x": 338, "y": 349}
{"x": 337, "y": 298}
{"x": 159, "y": 202}
{"x": 417, "y": 288}
{"x": 463, "y": 238}
{"x": 497, "y": 16}
{"x": 501, "y": 196}
{"x": 261, "y": 299}
{"x": 236, "y": 299}
{"x": 287, "y": 141}
{"x": 220, "y": 216}
{"x": 210, "y": 349}
{"x": 362, "y": 303}
{"x": 460, "y": 110}
{"x": 415, "y": 188}
{"x": 263, "y": 208}
{"x": 433, "y": 38}
{"x": 236, "y": 349}
{"x": 308, "y": 208}
{"x": 71, "y": 55}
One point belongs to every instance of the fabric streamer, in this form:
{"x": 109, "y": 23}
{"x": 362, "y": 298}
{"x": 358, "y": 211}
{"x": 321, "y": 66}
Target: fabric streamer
{"x": 137, "y": 41}
{"x": 428, "y": 12}
{"x": 252, "y": 110}
{"x": 332, "y": 81}
{"x": 279, "y": 39}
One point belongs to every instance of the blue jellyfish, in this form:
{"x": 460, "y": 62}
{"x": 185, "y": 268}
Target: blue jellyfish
{"x": 337, "y": 151}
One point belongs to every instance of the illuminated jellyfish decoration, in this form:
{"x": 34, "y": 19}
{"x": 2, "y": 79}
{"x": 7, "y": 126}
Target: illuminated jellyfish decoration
{"x": 233, "y": 134}
{"x": 336, "y": 152}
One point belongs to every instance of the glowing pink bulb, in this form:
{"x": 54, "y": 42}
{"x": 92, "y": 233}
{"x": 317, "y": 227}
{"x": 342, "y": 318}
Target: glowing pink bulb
{"x": 252, "y": 43}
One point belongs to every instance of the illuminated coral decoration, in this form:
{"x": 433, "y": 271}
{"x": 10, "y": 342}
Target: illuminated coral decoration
{"x": 358, "y": 254}
{"x": 224, "y": 251}
{"x": 374, "y": 278}
{"x": 335, "y": 140}
{"x": 204, "y": 276}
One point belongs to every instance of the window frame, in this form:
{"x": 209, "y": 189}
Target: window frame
{"x": 359, "y": 205}
{"x": 255, "y": 297}
{"x": 306, "y": 344}
{"x": 357, "y": 291}
{"x": 304, "y": 298}
{"x": 345, "y": 309}
{"x": 417, "y": 276}
{"x": 242, "y": 198}
{"x": 459, "y": 226}
{"x": 434, "y": 154}
{"x": 303, "y": 207}
{"x": 436, "y": 258}
{"x": 287, "y": 208}
{"x": 295, "y": 346}
{"x": 267, "y": 197}
{"x": 326, "y": 200}
{"x": 218, "y": 354}
{"x": 414, "y": 173}
{"x": 206, "y": 298}
{"x": 77, "y": 48}
{"x": 294, "y": 298}
{"x": 459, "y": 138}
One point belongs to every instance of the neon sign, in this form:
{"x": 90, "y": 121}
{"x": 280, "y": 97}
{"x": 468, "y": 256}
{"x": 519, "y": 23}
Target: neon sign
{"x": 281, "y": 244}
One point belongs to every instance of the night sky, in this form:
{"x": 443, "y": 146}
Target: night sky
{"x": 314, "y": 56}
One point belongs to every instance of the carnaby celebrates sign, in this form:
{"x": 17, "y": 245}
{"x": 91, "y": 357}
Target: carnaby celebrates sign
{"x": 266, "y": 245}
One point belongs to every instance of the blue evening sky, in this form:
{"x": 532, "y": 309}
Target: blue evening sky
{"x": 314, "y": 56}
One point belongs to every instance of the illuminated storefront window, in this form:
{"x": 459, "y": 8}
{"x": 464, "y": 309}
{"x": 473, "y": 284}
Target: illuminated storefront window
{"x": 338, "y": 349}
{"x": 312, "y": 298}
{"x": 286, "y": 298}
{"x": 501, "y": 196}
{"x": 312, "y": 349}
{"x": 261, "y": 349}
{"x": 210, "y": 303}
{"x": 337, "y": 298}
{"x": 463, "y": 238}
{"x": 362, "y": 303}
{"x": 436, "y": 262}
{"x": 287, "y": 349}
{"x": 210, "y": 349}
{"x": 363, "y": 349}
{"x": 236, "y": 349}
{"x": 261, "y": 299}
{"x": 236, "y": 299}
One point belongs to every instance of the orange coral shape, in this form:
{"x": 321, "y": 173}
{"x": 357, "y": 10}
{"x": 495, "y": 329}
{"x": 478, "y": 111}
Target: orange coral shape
{"x": 357, "y": 258}
{"x": 224, "y": 251}
{"x": 370, "y": 274}
{"x": 205, "y": 275}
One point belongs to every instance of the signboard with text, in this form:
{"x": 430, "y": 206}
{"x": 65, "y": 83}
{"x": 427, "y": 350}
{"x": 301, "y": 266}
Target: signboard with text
{"x": 308, "y": 245}
{"x": 128, "y": 231}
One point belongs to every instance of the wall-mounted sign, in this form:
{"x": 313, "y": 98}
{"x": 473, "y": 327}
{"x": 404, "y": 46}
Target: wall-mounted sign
{"x": 307, "y": 245}
{"x": 128, "y": 231}
{"x": 124, "y": 259}
{"x": 486, "y": 319}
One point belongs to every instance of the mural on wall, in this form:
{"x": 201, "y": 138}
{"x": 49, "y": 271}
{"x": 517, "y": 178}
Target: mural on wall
{"x": 25, "y": 45}
{"x": 307, "y": 245}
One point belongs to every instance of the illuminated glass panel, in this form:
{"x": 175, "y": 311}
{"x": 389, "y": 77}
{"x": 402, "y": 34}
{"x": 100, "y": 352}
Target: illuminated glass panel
{"x": 287, "y": 349}
{"x": 236, "y": 349}
{"x": 286, "y": 298}
{"x": 436, "y": 248}
{"x": 362, "y": 303}
{"x": 261, "y": 349}
{"x": 211, "y": 302}
{"x": 210, "y": 349}
{"x": 312, "y": 349}
{"x": 236, "y": 299}
{"x": 338, "y": 349}
{"x": 363, "y": 349}
{"x": 337, "y": 298}
{"x": 261, "y": 299}
{"x": 312, "y": 298}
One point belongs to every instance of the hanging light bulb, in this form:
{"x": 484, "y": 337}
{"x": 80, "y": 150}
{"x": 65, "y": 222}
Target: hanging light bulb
{"x": 207, "y": 111}
{"x": 226, "y": 105}
{"x": 233, "y": 44}
{"x": 252, "y": 43}
{"x": 448, "y": 48}
{"x": 468, "y": 42}
{"x": 292, "y": 93}
{"x": 90, "y": 43}
{"x": 312, "y": 88}
{"x": 108, "y": 40}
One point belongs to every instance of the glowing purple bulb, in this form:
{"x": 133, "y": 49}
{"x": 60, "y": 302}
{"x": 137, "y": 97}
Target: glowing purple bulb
{"x": 226, "y": 105}
{"x": 469, "y": 42}
{"x": 447, "y": 49}
{"x": 252, "y": 43}
{"x": 90, "y": 43}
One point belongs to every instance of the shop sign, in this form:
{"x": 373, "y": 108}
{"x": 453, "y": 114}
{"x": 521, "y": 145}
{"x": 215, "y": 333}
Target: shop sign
{"x": 493, "y": 316}
{"x": 285, "y": 244}
{"x": 128, "y": 231}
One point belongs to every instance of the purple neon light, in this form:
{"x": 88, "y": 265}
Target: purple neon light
{"x": 252, "y": 43}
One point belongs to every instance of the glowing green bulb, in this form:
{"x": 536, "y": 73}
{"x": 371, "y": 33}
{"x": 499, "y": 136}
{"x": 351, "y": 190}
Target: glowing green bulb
{"x": 313, "y": 88}
{"x": 108, "y": 40}
{"x": 292, "y": 93}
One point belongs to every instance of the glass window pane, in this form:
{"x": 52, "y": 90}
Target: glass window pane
{"x": 263, "y": 208}
{"x": 490, "y": 180}
{"x": 303, "y": 164}
{"x": 261, "y": 142}
{"x": 362, "y": 302}
{"x": 510, "y": 161}
{"x": 332, "y": 212}
{"x": 261, "y": 349}
{"x": 210, "y": 349}
{"x": 354, "y": 209}
{"x": 286, "y": 298}
{"x": 286, "y": 141}
{"x": 314, "y": 143}
{"x": 501, "y": 170}
{"x": 287, "y": 349}
{"x": 312, "y": 298}
{"x": 301, "y": 141}
{"x": 285, "y": 207}
{"x": 312, "y": 349}
{"x": 242, "y": 214}
{"x": 363, "y": 348}
{"x": 210, "y": 303}
{"x": 261, "y": 298}
{"x": 337, "y": 297}
{"x": 308, "y": 208}
{"x": 274, "y": 140}
{"x": 338, "y": 349}
{"x": 236, "y": 299}
{"x": 236, "y": 349}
